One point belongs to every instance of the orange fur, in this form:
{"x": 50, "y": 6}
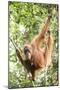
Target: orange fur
{"x": 40, "y": 57}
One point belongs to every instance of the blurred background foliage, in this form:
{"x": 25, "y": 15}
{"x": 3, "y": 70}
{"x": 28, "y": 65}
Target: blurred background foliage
{"x": 25, "y": 22}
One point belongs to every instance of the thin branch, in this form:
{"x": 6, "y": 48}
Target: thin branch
{"x": 14, "y": 44}
{"x": 18, "y": 51}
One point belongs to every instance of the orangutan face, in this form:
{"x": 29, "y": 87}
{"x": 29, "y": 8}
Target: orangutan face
{"x": 28, "y": 51}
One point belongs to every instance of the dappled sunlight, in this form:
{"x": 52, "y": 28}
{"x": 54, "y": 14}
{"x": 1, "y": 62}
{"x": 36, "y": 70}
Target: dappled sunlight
{"x": 22, "y": 29}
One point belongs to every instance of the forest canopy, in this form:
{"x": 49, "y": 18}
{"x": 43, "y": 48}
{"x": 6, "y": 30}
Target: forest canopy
{"x": 25, "y": 21}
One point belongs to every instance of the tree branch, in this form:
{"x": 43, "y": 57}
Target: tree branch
{"x": 18, "y": 51}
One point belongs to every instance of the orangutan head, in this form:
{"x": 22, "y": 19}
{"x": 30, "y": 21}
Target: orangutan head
{"x": 28, "y": 51}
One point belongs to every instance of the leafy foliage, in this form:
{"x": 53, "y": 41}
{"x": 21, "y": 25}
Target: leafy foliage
{"x": 25, "y": 21}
